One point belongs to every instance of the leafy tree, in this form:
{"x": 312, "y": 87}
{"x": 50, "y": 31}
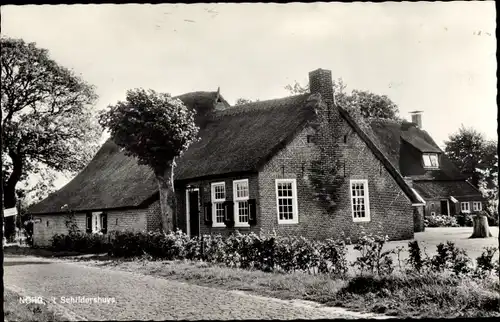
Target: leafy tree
{"x": 358, "y": 103}
{"x": 241, "y": 101}
{"x": 156, "y": 129}
{"x": 47, "y": 119}
{"x": 470, "y": 151}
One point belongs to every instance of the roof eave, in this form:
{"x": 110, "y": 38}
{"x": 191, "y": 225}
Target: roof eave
{"x": 379, "y": 155}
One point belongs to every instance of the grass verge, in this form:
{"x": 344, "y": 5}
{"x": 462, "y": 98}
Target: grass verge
{"x": 40, "y": 252}
{"x": 432, "y": 296}
{"x": 14, "y": 310}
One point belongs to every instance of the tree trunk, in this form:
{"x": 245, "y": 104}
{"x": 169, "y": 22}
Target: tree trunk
{"x": 481, "y": 227}
{"x": 9, "y": 189}
{"x": 167, "y": 197}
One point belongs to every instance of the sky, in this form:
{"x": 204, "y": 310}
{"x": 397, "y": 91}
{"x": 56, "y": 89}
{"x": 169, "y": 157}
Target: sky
{"x": 439, "y": 57}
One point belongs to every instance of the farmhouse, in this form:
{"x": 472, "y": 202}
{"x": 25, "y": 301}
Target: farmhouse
{"x": 253, "y": 170}
{"x": 425, "y": 167}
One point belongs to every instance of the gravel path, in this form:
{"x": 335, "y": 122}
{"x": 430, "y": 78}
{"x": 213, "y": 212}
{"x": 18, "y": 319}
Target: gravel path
{"x": 140, "y": 297}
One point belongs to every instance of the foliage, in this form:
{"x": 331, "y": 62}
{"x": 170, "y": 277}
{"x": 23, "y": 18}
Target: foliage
{"x": 452, "y": 258}
{"x": 47, "y": 120}
{"x": 488, "y": 185}
{"x": 485, "y": 264}
{"x": 154, "y": 127}
{"x": 416, "y": 260}
{"x": 249, "y": 251}
{"x": 464, "y": 219}
{"x": 241, "y": 101}
{"x": 440, "y": 221}
{"x": 364, "y": 103}
{"x": 373, "y": 259}
{"x": 70, "y": 221}
{"x": 472, "y": 153}
{"x": 80, "y": 242}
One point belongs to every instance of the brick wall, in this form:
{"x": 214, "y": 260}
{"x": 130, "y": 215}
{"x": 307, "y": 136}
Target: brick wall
{"x": 51, "y": 225}
{"x": 205, "y": 196}
{"x": 390, "y": 210}
{"x": 153, "y": 217}
{"x": 118, "y": 220}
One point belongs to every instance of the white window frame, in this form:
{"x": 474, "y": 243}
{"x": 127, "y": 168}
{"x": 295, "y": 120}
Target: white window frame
{"x": 477, "y": 206}
{"x": 462, "y": 204}
{"x": 217, "y": 201}
{"x": 295, "y": 207}
{"x": 96, "y": 222}
{"x": 237, "y": 200}
{"x": 429, "y": 157}
{"x": 366, "y": 198}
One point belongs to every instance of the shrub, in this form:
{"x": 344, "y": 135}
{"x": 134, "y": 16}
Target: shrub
{"x": 464, "y": 220}
{"x": 484, "y": 263}
{"x": 372, "y": 258}
{"x": 440, "y": 221}
{"x": 333, "y": 257}
{"x": 80, "y": 242}
{"x": 450, "y": 257}
{"x": 416, "y": 260}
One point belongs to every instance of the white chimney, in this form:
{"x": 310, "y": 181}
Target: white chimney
{"x": 416, "y": 117}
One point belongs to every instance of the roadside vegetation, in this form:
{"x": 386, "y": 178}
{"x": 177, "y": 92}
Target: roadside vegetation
{"x": 379, "y": 279}
{"x": 14, "y": 310}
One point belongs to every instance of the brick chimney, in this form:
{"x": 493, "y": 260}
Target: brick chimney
{"x": 416, "y": 117}
{"x": 320, "y": 81}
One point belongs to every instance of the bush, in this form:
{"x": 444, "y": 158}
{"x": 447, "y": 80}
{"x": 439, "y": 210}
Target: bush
{"x": 372, "y": 258}
{"x": 464, "y": 220}
{"x": 80, "y": 242}
{"x": 485, "y": 264}
{"x": 415, "y": 259}
{"x": 452, "y": 258}
{"x": 249, "y": 251}
{"x": 440, "y": 221}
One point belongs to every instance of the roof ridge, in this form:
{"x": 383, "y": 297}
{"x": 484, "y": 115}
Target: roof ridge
{"x": 258, "y": 105}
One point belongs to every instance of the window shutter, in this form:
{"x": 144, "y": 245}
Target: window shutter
{"x": 104, "y": 222}
{"x": 208, "y": 213}
{"x": 89, "y": 222}
{"x": 228, "y": 213}
{"x": 252, "y": 212}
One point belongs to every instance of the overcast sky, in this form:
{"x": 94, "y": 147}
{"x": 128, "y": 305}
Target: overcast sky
{"x": 435, "y": 57}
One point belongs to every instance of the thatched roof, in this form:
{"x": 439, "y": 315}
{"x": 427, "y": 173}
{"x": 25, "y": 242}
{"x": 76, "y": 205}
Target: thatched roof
{"x": 110, "y": 180}
{"x": 234, "y": 139}
{"x": 461, "y": 190}
{"x": 403, "y": 144}
{"x": 243, "y": 137}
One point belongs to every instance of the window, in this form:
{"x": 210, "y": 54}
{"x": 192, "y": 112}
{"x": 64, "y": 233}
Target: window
{"x": 360, "y": 200}
{"x": 47, "y": 223}
{"x": 286, "y": 201}
{"x": 96, "y": 222}
{"x": 465, "y": 207}
{"x": 431, "y": 160}
{"x": 477, "y": 206}
{"x": 218, "y": 198}
{"x": 240, "y": 197}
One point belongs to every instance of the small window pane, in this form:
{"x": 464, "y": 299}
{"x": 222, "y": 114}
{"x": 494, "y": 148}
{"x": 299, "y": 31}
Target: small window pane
{"x": 434, "y": 160}
{"x": 427, "y": 160}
